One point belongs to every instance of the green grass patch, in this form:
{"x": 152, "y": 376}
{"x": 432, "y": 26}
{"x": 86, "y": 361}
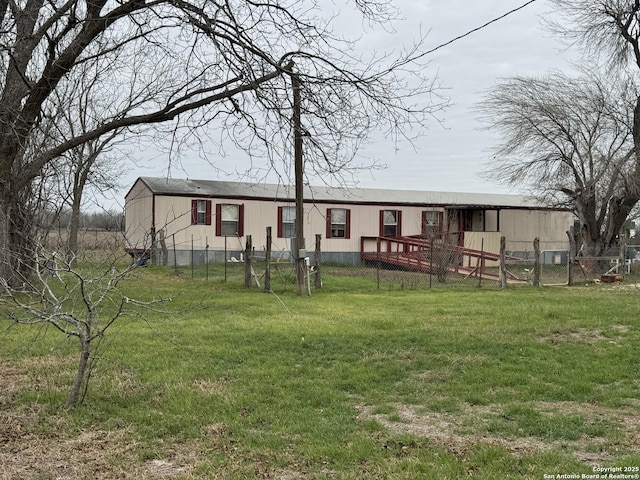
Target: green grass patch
{"x": 348, "y": 383}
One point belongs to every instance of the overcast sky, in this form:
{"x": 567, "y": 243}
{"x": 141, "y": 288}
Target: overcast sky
{"x": 452, "y": 153}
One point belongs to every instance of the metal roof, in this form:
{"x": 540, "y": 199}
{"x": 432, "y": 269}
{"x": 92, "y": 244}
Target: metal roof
{"x": 266, "y": 191}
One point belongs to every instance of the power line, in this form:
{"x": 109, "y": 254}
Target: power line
{"x": 459, "y": 37}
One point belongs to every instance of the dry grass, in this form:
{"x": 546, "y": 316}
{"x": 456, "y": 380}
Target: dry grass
{"x": 88, "y": 240}
{"x": 458, "y": 432}
{"x": 89, "y": 454}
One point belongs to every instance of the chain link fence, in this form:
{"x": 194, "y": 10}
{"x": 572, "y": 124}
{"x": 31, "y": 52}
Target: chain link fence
{"x": 435, "y": 261}
{"x": 551, "y": 258}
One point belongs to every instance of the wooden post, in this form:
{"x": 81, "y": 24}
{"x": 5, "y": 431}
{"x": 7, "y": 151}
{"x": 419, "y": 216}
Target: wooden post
{"x": 175, "y": 254}
{"x": 571, "y": 259}
{"x": 163, "y": 248}
{"x": 378, "y": 263}
{"x": 481, "y": 262}
{"x": 247, "y": 262}
{"x": 318, "y": 277}
{"x": 300, "y": 252}
{"x": 623, "y": 250}
{"x": 536, "y": 264}
{"x": 503, "y": 264}
{"x": 206, "y": 257}
{"x": 431, "y": 261}
{"x": 267, "y": 263}
{"x": 154, "y": 247}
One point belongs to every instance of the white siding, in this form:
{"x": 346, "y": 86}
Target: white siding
{"x": 173, "y": 221}
{"x": 526, "y": 225}
{"x": 138, "y": 216}
{"x": 174, "y": 215}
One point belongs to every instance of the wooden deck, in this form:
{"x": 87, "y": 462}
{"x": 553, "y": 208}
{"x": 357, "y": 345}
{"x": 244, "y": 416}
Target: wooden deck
{"x": 416, "y": 254}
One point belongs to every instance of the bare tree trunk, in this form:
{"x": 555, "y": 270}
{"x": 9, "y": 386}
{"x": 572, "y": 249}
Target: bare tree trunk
{"x": 74, "y": 227}
{"x": 6, "y": 258}
{"x": 78, "y": 381}
{"x": 17, "y": 237}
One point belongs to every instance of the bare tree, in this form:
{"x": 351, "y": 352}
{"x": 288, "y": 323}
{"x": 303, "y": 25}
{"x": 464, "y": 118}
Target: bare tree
{"x": 81, "y": 303}
{"x": 90, "y": 164}
{"x": 569, "y": 139}
{"x": 608, "y": 31}
{"x": 186, "y": 64}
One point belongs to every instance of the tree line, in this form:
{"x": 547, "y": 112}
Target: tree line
{"x": 111, "y": 220}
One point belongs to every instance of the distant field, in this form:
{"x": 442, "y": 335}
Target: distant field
{"x": 348, "y": 383}
{"x": 88, "y": 239}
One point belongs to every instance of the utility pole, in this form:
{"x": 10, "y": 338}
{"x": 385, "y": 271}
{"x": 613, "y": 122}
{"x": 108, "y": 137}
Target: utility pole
{"x": 300, "y": 252}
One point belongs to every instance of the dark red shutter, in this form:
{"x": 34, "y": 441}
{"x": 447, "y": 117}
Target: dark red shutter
{"x": 423, "y": 229}
{"x": 347, "y": 227}
{"x": 241, "y": 220}
{"x": 328, "y": 223}
{"x": 399, "y": 226}
{"x": 381, "y": 223}
{"x": 279, "y": 222}
{"x": 194, "y": 212}
{"x": 440, "y": 222}
{"x": 207, "y": 215}
{"x": 218, "y": 219}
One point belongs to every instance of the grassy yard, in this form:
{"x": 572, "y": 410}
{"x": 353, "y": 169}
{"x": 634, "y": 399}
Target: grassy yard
{"x": 348, "y": 383}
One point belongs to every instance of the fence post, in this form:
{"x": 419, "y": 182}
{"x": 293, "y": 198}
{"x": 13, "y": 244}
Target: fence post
{"x": 247, "y": 262}
{"x": 267, "y": 263}
{"x": 175, "y": 254}
{"x": 622, "y": 254}
{"x": 154, "y": 247}
{"x": 318, "y": 277}
{"x": 431, "y": 262}
{"x": 481, "y": 263}
{"x": 378, "y": 264}
{"x": 536, "y": 264}
{"x": 163, "y": 248}
{"x": 503, "y": 263}
{"x": 570, "y": 259}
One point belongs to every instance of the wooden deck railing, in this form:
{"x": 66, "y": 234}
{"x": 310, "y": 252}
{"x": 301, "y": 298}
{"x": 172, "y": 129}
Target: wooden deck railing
{"x": 426, "y": 255}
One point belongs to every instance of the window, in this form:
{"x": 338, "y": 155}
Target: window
{"x": 286, "y": 222}
{"x": 338, "y": 223}
{"x": 431, "y": 221}
{"x": 200, "y": 212}
{"x": 229, "y": 220}
{"x": 390, "y": 223}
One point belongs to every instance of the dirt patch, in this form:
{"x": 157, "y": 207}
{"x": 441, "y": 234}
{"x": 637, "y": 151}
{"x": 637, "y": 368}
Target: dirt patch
{"x": 164, "y": 468}
{"x": 29, "y": 452}
{"x": 10, "y": 383}
{"x": 458, "y": 432}
{"x": 584, "y": 335}
{"x": 107, "y": 455}
{"x": 624, "y": 287}
{"x": 450, "y": 431}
